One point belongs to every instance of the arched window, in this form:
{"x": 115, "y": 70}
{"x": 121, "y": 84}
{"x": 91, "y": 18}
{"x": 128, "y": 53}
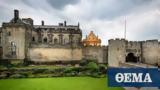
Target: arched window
{"x": 13, "y": 48}
{"x": 45, "y": 40}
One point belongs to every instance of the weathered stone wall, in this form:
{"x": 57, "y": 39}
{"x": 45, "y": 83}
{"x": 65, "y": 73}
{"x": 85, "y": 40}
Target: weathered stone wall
{"x": 145, "y": 51}
{"x": 151, "y": 51}
{"x": 54, "y": 39}
{"x": 116, "y": 52}
{"x": 95, "y": 53}
{"x": 16, "y": 35}
{"x": 55, "y": 54}
{"x": 133, "y": 47}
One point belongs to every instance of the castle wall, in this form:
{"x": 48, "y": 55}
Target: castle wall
{"x": 95, "y": 53}
{"x": 16, "y": 35}
{"x": 55, "y": 54}
{"x": 151, "y": 52}
{"x": 133, "y": 47}
{"x": 53, "y": 38}
{"x": 116, "y": 52}
{"x": 144, "y": 51}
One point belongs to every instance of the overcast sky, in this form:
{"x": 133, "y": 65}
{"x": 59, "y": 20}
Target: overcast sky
{"x": 105, "y": 17}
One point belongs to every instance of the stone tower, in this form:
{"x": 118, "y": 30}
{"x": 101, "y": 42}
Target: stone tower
{"x": 15, "y": 38}
{"x": 116, "y": 52}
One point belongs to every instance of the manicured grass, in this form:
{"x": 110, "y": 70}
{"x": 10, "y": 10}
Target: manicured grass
{"x": 62, "y": 83}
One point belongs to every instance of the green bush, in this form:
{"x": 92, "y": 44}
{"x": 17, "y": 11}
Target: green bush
{"x": 92, "y": 66}
{"x": 71, "y": 71}
{"x": 37, "y": 71}
{"x": 3, "y": 76}
{"x": 67, "y": 70}
{"x": 17, "y": 76}
{"x": 83, "y": 63}
{"x": 25, "y": 74}
{"x": 59, "y": 70}
{"x": 49, "y": 71}
{"x": 102, "y": 68}
{"x": 90, "y": 69}
{"x": 95, "y": 75}
{"x": 2, "y": 67}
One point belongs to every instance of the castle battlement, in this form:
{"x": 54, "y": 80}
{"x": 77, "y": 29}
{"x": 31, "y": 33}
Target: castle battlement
{"x": 133, "y": 51}
{"x": 154, "y": 41}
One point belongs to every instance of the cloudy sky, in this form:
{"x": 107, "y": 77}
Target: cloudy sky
{"x": 105, "y": 17}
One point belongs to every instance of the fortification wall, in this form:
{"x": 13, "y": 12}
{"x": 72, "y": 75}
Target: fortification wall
{"x": 95, "y": 53}
{"x": 55, "y": 54}
{"x": 116, "y": 52}
{"x": 133, "y": 47}
{"x": 151, "y": 51}
{"x": 145, "y": 51}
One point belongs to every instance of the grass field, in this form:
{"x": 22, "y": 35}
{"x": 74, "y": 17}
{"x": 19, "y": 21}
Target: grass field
{"x": 62, "y": 83}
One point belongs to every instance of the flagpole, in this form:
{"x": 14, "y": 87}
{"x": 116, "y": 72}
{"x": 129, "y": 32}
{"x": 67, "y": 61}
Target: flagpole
{"x": 125, "y": 29}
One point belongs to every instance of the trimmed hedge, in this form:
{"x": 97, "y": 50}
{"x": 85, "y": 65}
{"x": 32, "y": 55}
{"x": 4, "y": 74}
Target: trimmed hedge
{"x": 90, "y": 69}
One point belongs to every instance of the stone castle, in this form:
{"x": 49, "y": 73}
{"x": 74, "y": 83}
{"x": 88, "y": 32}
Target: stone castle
{"x": 122, "y": 51}
{"x": 21, "y": 40}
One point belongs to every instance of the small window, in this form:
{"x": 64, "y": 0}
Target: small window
{"x": 33, "y": 39}
{"x": 9, "y": 33}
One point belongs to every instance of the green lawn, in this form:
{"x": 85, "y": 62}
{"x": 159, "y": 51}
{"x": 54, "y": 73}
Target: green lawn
{"x": 62, "y": 83}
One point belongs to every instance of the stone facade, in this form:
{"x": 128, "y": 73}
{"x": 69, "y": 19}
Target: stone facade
{"x": 99, "y": 53}
{"x": 15, "y": 38}
{"x": 22, "y": 40}
{"x": 121, "y": 51}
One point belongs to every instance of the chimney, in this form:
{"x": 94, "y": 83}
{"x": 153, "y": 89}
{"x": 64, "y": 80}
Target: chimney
{"x": 16, "y": 14}
{"x": 65, "y": 23}
{"x": 42, "y": 23}
{"x": 60, "y": 24}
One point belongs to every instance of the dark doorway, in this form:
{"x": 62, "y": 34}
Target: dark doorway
{"x": 131, "y": 58}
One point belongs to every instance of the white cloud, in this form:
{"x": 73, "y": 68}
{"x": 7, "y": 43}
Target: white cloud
{"x": 104, "y": 17}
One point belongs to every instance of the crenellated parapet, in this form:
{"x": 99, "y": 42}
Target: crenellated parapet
{"x": 121, "y": 51}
